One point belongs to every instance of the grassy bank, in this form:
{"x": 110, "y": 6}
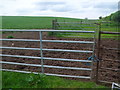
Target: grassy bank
{"x": 20, "y": 80}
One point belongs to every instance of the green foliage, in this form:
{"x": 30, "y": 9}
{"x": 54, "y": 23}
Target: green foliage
{"x": 20, "y": 80}
{"x": 36, "y": 80}
{"x": 116, "y": 16}
{"x": 100, "y": 17}
{"x": 10, "y": 36}
{"x": 53, "y": 33}
{"x": 0, "y": 21}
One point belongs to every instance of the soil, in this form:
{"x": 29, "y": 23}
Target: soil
{"x": 107, "y": 57}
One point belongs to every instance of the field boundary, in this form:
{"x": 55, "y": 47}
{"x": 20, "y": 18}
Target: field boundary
{"x": 99, "y": 67}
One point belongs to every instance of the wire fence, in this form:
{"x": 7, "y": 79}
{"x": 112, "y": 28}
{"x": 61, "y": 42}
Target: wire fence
{"x": 104, "y": 54}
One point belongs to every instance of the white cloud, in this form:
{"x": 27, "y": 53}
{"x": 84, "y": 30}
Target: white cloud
{"x": 60, "y": 8}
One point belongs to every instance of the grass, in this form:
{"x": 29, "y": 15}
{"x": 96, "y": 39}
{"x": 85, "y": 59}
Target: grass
{"x": 20, "y": 80}
{"x": 10, "y": 36}
{"x": 29, "y": 22}
{"x": 77, "y": 35}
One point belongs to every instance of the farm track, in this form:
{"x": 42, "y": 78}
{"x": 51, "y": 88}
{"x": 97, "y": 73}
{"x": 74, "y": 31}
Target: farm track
{"x": 107, "y": 75}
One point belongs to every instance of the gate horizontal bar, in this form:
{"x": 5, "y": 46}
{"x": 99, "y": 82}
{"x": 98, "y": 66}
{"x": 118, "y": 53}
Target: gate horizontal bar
{"x": 105, "y": 82}
{"x": 111, "y": 48}
{"x": 70, "y": 76}
{"x": 101, "y": 68}
{"x": 78, "y": 25}
{"x": 77, "y": 36}
{"x": 71, "y": 60}
{"x": 61, "y": 41}
{"x": 24, "y": 40}
{"x": 47, "y": 66}
{"x": 63, "y": 50}
{"x": 58, "y": 50}
{"x": 45, "y": 58}
{"x": 64, "y": 41}
{"x": 93, "y": 23}
{"x": 105, "y": 32}
{"x": 111, "y": 60}
{"x": 36, "y": 30}
{"x": 50, "y": 74}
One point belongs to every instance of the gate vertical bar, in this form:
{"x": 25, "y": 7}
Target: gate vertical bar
{"x": 94, "y": 39}
{"x": 98, "y": 52}
{"x": 41, "y": 52}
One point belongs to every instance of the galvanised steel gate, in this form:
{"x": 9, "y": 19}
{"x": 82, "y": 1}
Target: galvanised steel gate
{"x": 41, "y": 49}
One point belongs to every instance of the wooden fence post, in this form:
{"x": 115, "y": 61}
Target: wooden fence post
{"x": 53, "y": 24}
{"x": 98, "y": 52}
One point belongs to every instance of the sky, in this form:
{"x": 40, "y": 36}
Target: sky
{"x": 91, "y": 9}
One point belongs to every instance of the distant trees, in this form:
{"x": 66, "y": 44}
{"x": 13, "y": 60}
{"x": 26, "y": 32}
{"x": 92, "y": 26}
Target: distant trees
{"x": 116, "y": 16}
{"x": 100, "y": 17}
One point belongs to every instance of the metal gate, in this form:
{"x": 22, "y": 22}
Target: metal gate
{"x": 111, "y": 67}
{"x": 41, "y": 49}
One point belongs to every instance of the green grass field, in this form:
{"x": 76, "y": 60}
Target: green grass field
{"x": 20, "y": 80}
{"x": 27, "y": 22}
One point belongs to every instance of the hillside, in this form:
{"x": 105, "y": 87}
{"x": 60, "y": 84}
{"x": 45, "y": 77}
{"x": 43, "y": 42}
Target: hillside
{"x": 114, "y": 17}
{"x": 32, "y": 22}
{"x": 27, "y": 22}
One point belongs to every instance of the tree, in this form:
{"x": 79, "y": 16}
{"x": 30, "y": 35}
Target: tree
{"x": 116, "y": 16}
{"x": 100, "y": 17}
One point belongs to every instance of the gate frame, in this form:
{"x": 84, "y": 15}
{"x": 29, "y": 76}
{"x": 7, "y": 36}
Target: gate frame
{"x": 41, "y": 49}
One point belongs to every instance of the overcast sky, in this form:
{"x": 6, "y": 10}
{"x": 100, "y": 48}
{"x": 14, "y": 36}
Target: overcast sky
{"x": 91, "y": 9}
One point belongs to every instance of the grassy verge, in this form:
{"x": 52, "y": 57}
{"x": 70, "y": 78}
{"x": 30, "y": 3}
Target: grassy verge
{"x": 20, "y": 80}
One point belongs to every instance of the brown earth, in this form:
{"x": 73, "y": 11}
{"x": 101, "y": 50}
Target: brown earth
{"x": 109, "y": 55}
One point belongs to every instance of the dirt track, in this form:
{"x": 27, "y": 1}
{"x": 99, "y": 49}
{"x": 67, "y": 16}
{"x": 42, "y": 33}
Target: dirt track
{"x": 107, "y": 75}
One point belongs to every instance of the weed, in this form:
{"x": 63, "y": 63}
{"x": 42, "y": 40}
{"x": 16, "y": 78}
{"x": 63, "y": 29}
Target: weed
{"x": 10, "y": 36}
{"x": 36, "y": 80}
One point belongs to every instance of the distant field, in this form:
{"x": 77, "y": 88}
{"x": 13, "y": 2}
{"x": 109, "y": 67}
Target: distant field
{"x": 27, "y": 22}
